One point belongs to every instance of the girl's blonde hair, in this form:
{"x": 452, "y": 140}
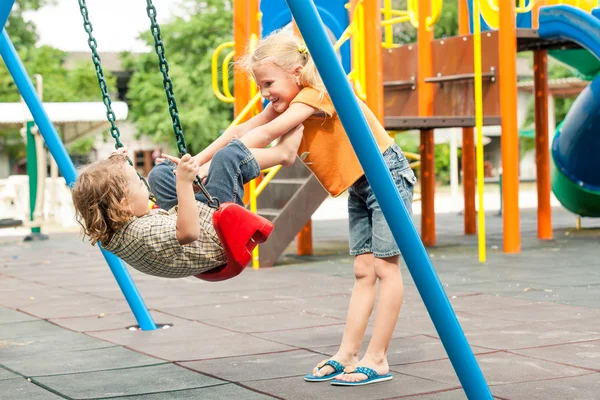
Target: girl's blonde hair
{"x": 286, "y": 51}
{"x": 98, "y": 196}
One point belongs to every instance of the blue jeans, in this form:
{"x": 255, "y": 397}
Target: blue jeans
{"x": 369, "y": 231}
{"x": 231, "y": 167}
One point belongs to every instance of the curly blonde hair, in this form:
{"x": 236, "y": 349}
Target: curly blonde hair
{"x": 286, "y": 51}
{"x": 100, "y": 198}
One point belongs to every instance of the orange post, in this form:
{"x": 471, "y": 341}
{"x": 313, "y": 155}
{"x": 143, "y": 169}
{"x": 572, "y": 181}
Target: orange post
{"x": 468, "y": 169}
{"x": 304, "y": 243}
{"x": 241, "y": 82}
{"x": 373, "y": 68}
{"x": 542, "y": 151}
{"x": 427, "y": 149}
{"x": 510, "y": 135}
{"x": 241, "y": 35}
{"x": 468, "y": 145}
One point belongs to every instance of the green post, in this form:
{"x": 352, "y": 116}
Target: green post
{"x": 32, "y": 172}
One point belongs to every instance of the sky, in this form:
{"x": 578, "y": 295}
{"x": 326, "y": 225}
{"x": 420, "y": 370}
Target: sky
{"x": 116, "y": 23}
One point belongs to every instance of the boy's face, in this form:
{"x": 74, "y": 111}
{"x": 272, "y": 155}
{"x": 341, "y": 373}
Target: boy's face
{"x": 137, "y": 192}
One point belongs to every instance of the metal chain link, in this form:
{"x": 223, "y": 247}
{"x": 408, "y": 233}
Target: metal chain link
{"x": 110, "y": 115}
{"x": 168, "y": 85}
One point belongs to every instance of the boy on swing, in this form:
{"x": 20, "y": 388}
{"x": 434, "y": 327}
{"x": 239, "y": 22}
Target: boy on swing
{"x": 178, "y": 239}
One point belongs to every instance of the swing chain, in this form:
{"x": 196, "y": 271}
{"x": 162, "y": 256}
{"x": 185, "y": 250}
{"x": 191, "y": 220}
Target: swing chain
{"x": 110, "y": 115}
{"x": 168, "y": 85}
{"x": 93, "y": 44}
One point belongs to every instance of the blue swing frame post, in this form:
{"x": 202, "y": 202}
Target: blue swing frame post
{"x": 5, "y": 7}
{"x": 414, "y": 253}
{"x": 66, "y": 167}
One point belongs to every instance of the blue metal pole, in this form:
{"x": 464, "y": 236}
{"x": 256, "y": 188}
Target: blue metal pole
{"x": 414, "y": 253}
{"x": 5, "y": 7}
{"x": 67, "y": 169}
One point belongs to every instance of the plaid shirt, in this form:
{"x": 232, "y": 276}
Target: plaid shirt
{"x": 149, "y": 244}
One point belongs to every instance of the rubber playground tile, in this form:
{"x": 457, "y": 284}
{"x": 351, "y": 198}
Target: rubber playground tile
{"x": 290, "y": 292}
{"x": 226, "y": 310}
{"x": 112, "y": 321}
{"x": 227, "y": 391}
{"x": 524, "y": 335}
{"x": 181, "y": 332}
{"x": 297, "y": 388}
{"x": 166, "y": 302}
{"x": 6, "y": 374}
{"x": 334, "y": 306}
{"x": 449, "y": 394}
{"x": 77, "y": 305}
{"x": 583, "y": 354}
{"x": 22, "y": 389}
{"x": 191, "y": 342}
{"x": 64, "y": 341}
{"x": 417, "y": 349}
{"x": 127, "y": 381}
{"x": 498, "y": 369}
{"x": 273, "y": 322}
{"x": 583, "y": 387}
{"x": 259, "y": 367}
{"x": 309, "y": 338}
{"x": 8, "y": 316}
{"x": 29, "y": 293}
{"x": 544, "y": 312}
{"x": 78, "y": 361}
{"x": 29, "y": 329}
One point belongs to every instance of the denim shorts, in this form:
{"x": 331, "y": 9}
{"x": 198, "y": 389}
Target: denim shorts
{"x": 369, "y": 231}
{"x": 231, "y": 167}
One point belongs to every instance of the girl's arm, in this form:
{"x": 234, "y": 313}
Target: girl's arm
{"x": 267, "y": 115}
{"x": 261, "y": 136}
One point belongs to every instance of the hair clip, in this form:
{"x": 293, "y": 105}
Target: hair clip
{"x": 302, "y": 50}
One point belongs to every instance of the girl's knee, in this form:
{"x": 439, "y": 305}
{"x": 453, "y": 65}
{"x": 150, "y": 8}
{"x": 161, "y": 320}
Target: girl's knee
{"x": 364, "y": 270}
{"x": 386, "y": 266}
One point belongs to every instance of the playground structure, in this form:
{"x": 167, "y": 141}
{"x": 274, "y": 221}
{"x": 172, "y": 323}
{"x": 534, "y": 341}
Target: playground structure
{"x": 412, "y": 248}
{"x": 441, "y": 83}
{"x": 363, "y": 143}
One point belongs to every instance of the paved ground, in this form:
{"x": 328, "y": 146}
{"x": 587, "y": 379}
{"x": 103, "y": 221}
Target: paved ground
{"x": 532, "y": 319}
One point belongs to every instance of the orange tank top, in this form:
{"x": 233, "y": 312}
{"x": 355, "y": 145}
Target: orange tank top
{"x": 326, "y": 147}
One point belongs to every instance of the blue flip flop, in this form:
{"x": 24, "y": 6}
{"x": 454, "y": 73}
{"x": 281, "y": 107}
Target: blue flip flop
{"x": 339, "y": 369}
{"x": 372, "y": 377}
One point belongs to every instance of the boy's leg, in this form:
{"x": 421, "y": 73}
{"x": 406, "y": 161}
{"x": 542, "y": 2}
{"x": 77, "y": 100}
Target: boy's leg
{"x": 162, "y": 183}
{"x": 235, "y": 165}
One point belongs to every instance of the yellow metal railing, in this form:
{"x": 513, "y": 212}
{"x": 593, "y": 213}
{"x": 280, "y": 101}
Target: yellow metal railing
{"x": 479, "y": 127}
{"x": 227, "y": 97}
{"x": 411, "y": 14}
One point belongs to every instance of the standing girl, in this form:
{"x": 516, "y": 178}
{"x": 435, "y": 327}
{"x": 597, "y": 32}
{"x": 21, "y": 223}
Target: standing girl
{"x": 287, "y": 76}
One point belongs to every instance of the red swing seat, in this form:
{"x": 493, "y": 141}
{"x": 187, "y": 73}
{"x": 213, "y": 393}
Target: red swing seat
{"x": 240, "y": 231}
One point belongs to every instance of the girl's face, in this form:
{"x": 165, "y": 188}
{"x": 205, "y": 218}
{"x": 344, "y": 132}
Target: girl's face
{"x": 278, "y": 86}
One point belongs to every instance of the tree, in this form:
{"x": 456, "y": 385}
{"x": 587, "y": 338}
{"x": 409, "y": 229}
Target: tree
{"x": 60, "y": 84}
{"x": 189, "y": 45}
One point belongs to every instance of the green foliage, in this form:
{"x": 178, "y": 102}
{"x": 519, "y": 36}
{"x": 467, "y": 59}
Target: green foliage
{"x": 189, "y": 45}
{"x": 59, "y": 84}
{"x": 561, "y": 104}
{"x": 446, "y": 26}
{"x": 410, "y": 143}
{"x": 82, "y": 146}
